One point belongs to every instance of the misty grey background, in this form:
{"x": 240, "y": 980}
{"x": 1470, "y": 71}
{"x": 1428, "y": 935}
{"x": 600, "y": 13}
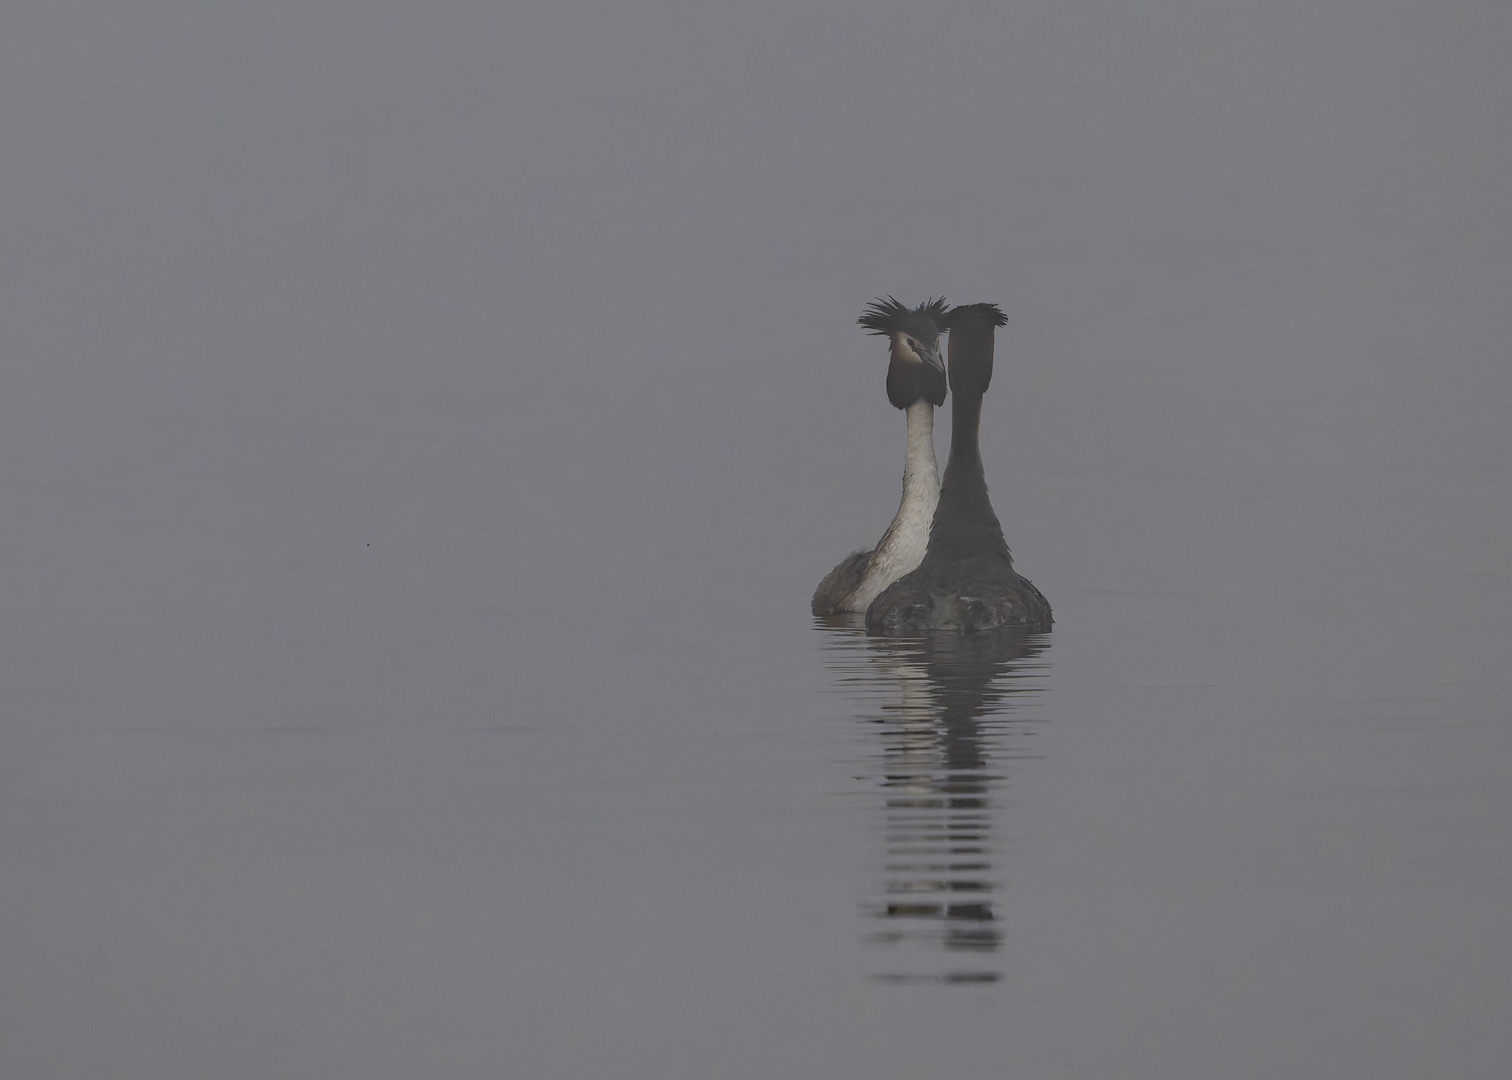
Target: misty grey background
{"x": 423, "y": 426}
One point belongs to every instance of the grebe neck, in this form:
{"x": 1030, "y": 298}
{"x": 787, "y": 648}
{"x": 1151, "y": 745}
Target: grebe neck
{"x": 965, "y": 461}
{"x": 921, "y": 475}
{"x": 965, "y": 524}
{"x": 902, "y": 546}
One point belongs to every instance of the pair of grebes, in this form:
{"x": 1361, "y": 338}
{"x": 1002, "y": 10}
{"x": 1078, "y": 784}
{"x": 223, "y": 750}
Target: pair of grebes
{"x": 942, "y": 565}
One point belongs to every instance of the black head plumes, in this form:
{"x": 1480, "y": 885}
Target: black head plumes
{"x": 971, "y": 328}
{"x": 990, "y": 312}
{"x": 886, "y": 317}
{"x": 916, "y": 372}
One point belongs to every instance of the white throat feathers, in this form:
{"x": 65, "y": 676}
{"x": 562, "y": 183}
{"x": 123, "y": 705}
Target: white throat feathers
{"x": 902, "y": 546}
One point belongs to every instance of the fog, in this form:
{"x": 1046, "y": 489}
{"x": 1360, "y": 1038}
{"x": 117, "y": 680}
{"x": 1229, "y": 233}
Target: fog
{"x": 423, "y": 427}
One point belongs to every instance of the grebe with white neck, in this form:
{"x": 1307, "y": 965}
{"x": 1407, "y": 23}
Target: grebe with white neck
{"x": 916, "y": 383}
{"x": 966, "y": 581}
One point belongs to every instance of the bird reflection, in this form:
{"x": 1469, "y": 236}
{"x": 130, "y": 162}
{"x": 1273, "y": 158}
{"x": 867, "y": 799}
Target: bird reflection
{"x": 942, "y": 707}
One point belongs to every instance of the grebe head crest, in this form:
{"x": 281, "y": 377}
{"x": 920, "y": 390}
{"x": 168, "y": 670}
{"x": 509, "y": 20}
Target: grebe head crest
{"x": 972, "y": 313}
{"x": 971, "y": 327}
{"x": 916, "y": 371}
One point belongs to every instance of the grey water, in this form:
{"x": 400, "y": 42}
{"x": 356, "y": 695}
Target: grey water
{"x": 423, "y": 425}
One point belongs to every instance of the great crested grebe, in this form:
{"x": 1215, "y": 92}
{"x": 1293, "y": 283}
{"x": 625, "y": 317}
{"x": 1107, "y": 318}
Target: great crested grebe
{"x": 916, "y": 384}
{"x": 966, "y": 581}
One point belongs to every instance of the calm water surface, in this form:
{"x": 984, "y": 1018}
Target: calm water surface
{"x": 422, "y": 430}
{"x": 1181, "y": 834}
{"x": 941, "y": 712}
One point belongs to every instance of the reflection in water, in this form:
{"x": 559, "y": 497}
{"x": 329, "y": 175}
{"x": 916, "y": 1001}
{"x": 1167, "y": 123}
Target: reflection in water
{"x": 941, "y": 706}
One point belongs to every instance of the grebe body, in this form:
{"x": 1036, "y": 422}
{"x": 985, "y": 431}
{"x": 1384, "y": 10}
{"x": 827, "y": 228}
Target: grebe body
{"x": 966, "y": 581}
{"x": 916, "y": 383}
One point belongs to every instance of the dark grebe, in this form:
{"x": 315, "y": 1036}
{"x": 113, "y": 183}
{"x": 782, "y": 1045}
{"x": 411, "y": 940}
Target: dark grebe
{"x": 966, "y": 582}
{"x": 915, "y": 384}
